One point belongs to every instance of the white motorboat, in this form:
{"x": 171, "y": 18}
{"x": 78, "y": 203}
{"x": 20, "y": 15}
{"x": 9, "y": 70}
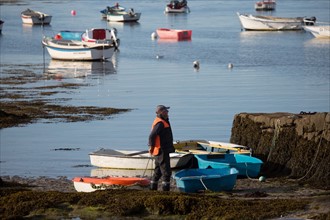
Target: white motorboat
{"x": 110, "y": 9}
{"x": 35, "y": 17}
{"x": 265, "y": 5}
{"x": 94, "y": 44}
{"x": 319, "y": 31}
{"x": 270, "y": 23}
{"x": 123, "y": 16}
{"x": 176, "y": 6}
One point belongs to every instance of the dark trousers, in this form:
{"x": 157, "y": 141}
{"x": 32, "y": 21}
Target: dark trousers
{"x": 162, "y": 167}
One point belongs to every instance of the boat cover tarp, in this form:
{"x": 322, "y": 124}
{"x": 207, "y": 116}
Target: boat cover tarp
{"x": 71, "y": 35}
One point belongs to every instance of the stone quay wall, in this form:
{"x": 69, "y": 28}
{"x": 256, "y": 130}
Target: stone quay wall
{"x": 296, "y": 146}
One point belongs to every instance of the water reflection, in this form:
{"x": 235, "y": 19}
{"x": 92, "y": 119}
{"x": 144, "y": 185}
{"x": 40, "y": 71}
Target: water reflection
{"x": 171, "y": 40}
{"x": 177, "y": 18}
{"x": 76, "y": 69}
{"x": 123, "y": 25}
{"x": 318, "y": 42}
{"x": 28, "y": 28}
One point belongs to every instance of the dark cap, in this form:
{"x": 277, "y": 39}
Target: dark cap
{"x": 161, "y": 108}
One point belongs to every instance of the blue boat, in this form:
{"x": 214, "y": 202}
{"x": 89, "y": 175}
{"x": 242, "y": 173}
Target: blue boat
{"x": 246, "y": 165}
{"x": 196, "y": 180}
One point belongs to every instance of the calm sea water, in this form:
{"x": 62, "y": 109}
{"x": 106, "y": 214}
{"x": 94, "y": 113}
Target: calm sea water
{"x": 273, "y": 72}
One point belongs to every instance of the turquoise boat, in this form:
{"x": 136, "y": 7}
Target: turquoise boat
{"x": 246, "y": 165}
{"x": 197, "y": 180}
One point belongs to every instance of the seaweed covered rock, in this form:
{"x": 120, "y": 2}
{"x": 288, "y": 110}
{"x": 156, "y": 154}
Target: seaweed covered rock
{"x": 292, "y": 145}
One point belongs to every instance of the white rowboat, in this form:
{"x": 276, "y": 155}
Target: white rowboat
{"x": 320, "y": 31}
{"x": 126, "y": 159}
{"x": 270, "y": 23}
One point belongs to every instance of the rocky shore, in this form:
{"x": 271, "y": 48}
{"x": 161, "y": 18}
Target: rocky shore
{"x": 291, "y": 145}
{"x": 55, "y": 198}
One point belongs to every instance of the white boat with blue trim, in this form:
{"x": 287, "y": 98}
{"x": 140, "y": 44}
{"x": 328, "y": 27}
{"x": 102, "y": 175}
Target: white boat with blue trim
{"x": 93, "y": 44}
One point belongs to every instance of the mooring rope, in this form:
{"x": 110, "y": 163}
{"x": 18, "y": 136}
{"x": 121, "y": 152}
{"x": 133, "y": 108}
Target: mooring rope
{"x": 145, "y": 170}
{"x": 201, "y": 179}
{"x": 317, "y": 151}
{"x": 246, "y": 172}
{"x": 275, "y": 137}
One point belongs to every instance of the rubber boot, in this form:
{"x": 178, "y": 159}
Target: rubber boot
{"x": 153, "y": 185}
{"x": 166, "y": 186}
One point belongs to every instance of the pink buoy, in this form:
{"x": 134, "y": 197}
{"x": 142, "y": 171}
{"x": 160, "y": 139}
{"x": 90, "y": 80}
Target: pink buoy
{"x": 73, "y": 13}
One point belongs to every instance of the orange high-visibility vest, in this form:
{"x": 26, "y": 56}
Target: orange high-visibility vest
{"x": 157, "y": 141}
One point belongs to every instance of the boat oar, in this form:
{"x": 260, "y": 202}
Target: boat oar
{"x": 137, "y": 153}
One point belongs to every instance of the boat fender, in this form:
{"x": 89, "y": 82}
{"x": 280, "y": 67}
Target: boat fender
{"x": 58, "y": 37}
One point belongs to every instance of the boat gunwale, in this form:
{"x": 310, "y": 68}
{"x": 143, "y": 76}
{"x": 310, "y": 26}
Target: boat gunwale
{"x": 273, "y": 19}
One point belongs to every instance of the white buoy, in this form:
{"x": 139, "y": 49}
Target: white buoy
{"x": 153, "y": 35}
{"x": 230, "y": 65}
{"x": 262, "y": 179}
{"x": 196, "y": 64}
{"x": 159, "y": 57}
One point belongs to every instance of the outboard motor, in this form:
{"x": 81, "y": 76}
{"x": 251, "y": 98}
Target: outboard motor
{"x": 310, "y": 21}
{"x": 114, "y": 37}
{"x": 131, "y": 12}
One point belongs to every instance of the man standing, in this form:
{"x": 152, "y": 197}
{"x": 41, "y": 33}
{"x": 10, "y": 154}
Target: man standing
{"x": 160, "y": 146}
